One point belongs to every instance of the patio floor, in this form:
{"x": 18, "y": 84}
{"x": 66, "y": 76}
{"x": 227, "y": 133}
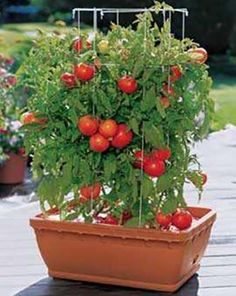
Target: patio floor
{"x": 22, "y": 269}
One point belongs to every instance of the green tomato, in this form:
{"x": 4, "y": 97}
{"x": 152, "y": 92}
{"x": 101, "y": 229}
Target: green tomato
{"x": 103, "y": 46}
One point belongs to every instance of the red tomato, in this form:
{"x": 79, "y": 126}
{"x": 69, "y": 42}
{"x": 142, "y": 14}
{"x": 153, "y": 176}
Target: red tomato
{"x": 9, "y": 61}
{"x": 78, "y": 44}
{"x": 164, "y": 220}
{"x": 140, "y": 156}
{"x": 31, "y": 117}
{"x": 127, "y": 84}
{"x": 98, "y": 143}
{"x": 11, "y": 80}
{"x": 91, "y": 192}
{"x": 175, "y": 73}
{"x": 154, "y": 167}
{"x": 204, "y": 178}
{"x": 198, "y": 55}
{"x": 21, "y": 151}
{"x": 84, "y": 72}
{"x": 108, "y": 128}
{"x": 123, "y": 137}
{"x": 126, "y": 215}
{"x": 3, "y": 131}
{"x": 162, "y": 154}
{"x": 110, "y": 220}
{"x": 88, "y": 125}
{"x": 182, "y": 220}
{"x": 68, "y": 79}
{"x": 168, "y": 89}
{"x": 165, "y": 102}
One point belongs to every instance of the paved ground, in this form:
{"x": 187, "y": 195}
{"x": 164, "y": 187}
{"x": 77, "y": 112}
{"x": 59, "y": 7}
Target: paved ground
{"x": 21, "y": 265}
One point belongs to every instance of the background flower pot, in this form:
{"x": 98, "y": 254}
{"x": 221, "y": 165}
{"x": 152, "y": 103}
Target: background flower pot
{"x": 13, "y": 170}
{"x": 141, "y": 258}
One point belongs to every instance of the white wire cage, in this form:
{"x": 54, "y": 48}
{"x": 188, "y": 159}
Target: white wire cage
{"x": 167, "y": 14}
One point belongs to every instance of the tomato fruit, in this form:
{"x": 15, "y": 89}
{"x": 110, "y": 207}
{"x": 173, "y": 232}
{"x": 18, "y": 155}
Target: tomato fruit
{"x": 165, "y": 102}
{"x": 168, "y": 89}
{"x": 91, "y": 192}
{"x": 182, "y": 220}
{"x": 84, "y": 72}
{"x": 164, "y": 220}
{"x": 204, "y": 178}
{"x": 31, "y": 117}
{"x": 21, "y": 151}
{"x": 140, "y": 157}
{"x": 78, "y": 44}
{"x": 126, "y": 215}
{"x": 103, "y": 46}
{"x": 3, "y": 131}
{"x": 98, "y": 143}
{"x": 154, "y": 167}
{"x": 162, "y": 154}
{"x": 123, "y": 137}
{"x": 198, "y": 55}
{"x": 127, "y": 84}
{"x": 11, "y": 80}
{"x": 68, "y": 79}
{"x": 108, "y": 128}
{"x": 110, "y": 220}
{"x": 88, "y": 125}
{"x": 175, "y": 73}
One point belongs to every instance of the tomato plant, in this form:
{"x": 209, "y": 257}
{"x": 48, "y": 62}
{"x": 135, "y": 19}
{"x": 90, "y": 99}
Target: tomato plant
{"x": 136, "y": 92}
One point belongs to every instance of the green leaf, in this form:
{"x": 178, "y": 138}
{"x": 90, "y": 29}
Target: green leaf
{"x": 147, "y": 187}
{"x": 134, "y": 125}
{"x": 109, "y": 166}
{"x": 149, "y": 99}
{"x": 170, "y": 205}
{"x": 154, "y": 135}
{"x": 160, "y": 108}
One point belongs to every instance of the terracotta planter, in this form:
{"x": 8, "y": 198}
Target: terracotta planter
{"x": 140, "y": 258}
{"x": 13, "y": 170}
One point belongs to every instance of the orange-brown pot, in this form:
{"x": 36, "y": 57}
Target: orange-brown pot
{"x": 13, "y": 170}
{"x": 140, "y": 258}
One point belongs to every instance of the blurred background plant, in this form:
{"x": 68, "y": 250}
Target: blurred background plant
{"x": 211, "y": 22}
{"x": 12, "y": 99}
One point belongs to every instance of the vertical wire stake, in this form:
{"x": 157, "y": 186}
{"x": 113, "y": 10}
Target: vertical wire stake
{"x": 164, "y": 20}
{"x": 183, "y": 27}
{"x": 94, "y": 88}
{"x": 169, "y": 45}
{"x": 78, "y": 21}
{"x": 141, "y": 175}
{"x": 117, "y": 17}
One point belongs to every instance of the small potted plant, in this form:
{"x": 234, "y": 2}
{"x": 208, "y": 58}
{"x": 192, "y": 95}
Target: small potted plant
{"x": 110, "y": 122}
{"x": 12, "y": 158}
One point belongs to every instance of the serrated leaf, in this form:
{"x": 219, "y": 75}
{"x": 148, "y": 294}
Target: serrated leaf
{"x": 154, "y": 135}
{"x": 160, "y": 108}
{"x": 149, "y": 99}
{"x": 134, "y": 125}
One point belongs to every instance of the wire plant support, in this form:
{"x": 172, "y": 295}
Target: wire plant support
{"x": 167, "y": 14}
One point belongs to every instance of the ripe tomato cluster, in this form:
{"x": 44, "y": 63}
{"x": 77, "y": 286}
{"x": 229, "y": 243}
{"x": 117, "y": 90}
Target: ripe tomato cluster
{"x": 85, "y": 72}
{"x": 104, "y": 133}
{"x": 153, "y": 164}
{"x": 181, "y": 219}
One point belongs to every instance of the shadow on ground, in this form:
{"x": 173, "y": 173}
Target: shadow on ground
{"x": 56, "y": 287}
